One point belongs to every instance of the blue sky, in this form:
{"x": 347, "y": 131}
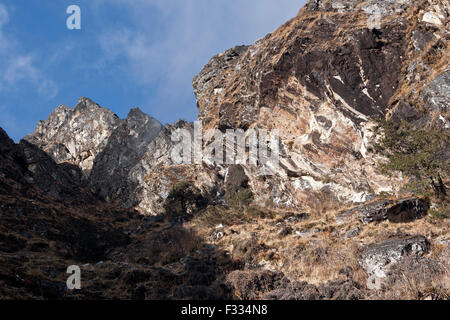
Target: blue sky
{"x": 128, "y": 53}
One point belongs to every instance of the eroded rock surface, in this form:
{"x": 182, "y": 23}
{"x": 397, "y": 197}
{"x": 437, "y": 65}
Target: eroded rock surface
{"x": 321, "y": 79}
{"x": 378, "y": 259}
{"x": 125, "y": 147}
{"x": 76, "y": 135}
{"x": 402, "y": 210}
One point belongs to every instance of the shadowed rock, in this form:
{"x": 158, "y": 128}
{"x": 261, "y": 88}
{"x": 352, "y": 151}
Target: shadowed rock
{"x": 123, "y": 151}
{"x": 403, "y": 210}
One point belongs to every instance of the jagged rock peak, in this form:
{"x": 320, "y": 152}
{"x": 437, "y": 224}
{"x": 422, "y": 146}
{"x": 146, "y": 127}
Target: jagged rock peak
{"x": 368, "y": 6}
{"x": 136, "y": 117}
{"x": 75, "y": 135}
{"x": 86, "y": 103}
{"x": 136, "y": 113}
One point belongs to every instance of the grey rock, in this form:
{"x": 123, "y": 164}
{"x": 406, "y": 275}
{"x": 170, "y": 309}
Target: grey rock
{"x": 378, "y": 259}
{"x": 436, "y": 95}
{"x": 125, "y": 147}
{"x": 76, "y": 135}
{"x": 352, "y": 233}
{"x": 407, "y": 210}
{"x": 296, "y": 217}
{"x": 368, "y": 212}
{"x": 404, "y": 210}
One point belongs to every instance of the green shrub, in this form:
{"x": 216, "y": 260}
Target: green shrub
{"x": 242, "y": 198}
{"x": 441, "y": 213}
{"x": 184, "y": 200}
{"x": 417, "y": 153}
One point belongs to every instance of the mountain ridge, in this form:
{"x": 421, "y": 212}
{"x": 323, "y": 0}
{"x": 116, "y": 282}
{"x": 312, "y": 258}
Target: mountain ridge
{"x": 329, "y": 224}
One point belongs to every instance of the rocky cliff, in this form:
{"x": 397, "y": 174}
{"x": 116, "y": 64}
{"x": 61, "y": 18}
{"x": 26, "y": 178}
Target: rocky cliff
{"x": 322, "y": 79}
{"x": 329, "y": 224}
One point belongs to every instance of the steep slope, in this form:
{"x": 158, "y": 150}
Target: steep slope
{"x": 322, "y": 79}
{"x": 25, "y": 168}
{"x": 123, "y": 151}
{"x": 47, "y": 225}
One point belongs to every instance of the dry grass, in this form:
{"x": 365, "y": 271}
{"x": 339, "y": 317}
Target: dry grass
{"x": 323, "y": 255}
{"x": 417, "y": 278}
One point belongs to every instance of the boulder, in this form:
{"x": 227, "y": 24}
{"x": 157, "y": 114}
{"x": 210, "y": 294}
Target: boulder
{"x": 378, "y": 259}
{"x": 396, "y": 211}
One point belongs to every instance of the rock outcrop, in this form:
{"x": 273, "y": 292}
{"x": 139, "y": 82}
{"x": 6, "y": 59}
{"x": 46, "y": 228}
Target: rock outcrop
{"x": 402, "y": 210}
{"x": 76, "y": 135}
{"x": 25, "y": 167}
{"x": 378, "y": 259}
{"x": 124, "y": 149}
{"x": 322, "y": 79}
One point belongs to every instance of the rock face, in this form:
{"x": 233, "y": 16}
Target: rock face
{"x": 321, "y": 79}
{"x": 123, "y": 151}
{"x": 403, "y": 210}
{"x": 378, "y": 259}
{"x": 25, "y": 167}
{"x": 76, "y": 135}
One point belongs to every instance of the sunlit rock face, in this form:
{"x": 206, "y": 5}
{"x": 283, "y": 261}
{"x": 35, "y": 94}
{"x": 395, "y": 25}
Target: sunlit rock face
{"x": 321, "y": 79}
{"x": 76, "y": 135}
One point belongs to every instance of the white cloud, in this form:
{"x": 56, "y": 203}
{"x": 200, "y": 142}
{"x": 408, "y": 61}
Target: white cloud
{"x": 171, "y": 40}
{"x": 19, "y": 67}
{"x": 4, "y": 16}
{"x": 4, "y": 19}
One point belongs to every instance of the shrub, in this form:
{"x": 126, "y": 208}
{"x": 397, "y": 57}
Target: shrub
{"x": 442, "y": 212}
{"x": 184, "y": 200}
{"x": 242, "y": 198}
{"x": 417, "y": 153}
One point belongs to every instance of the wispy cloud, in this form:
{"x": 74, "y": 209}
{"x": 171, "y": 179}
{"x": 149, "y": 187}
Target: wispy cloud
{"x": 18, "y": 67}
{"x": 169, "y": 41}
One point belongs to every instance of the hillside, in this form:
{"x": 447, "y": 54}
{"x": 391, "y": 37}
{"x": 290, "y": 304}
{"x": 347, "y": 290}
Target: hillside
{"x": 358, "y": 92}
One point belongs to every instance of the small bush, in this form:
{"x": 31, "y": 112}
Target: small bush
{"x": 242, "y": 198}
{"x": 417, "y": 153}
{"x": 184, "y": 200}
{"x": 441, "y": 213}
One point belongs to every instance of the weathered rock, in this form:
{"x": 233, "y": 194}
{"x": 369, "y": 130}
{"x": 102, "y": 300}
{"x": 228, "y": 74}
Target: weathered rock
{"x": 75, "y": 135}
{"x": 63, "y": 182}
{"x": 403, "y": 210}
{"x": 126, "y": 146}
{"x": 378, "y": 259}
{"x": 24, "y": 167}
{"x": 407, "y": 210}
{"x": 352, "y": 233}
{"x": 320, "y": 82}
